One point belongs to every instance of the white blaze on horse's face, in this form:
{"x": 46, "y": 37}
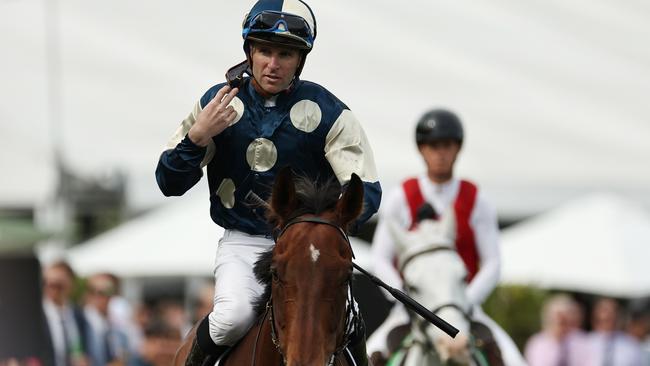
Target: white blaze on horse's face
{"x": 315, "y": 253}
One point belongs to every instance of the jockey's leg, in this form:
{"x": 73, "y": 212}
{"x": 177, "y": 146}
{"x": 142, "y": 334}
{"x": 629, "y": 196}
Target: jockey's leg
{"x": 235, "y": 290}
{"x": 204, "y": 351}
{"x": 509, "y": 351}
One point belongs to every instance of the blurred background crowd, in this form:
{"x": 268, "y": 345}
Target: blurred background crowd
{"x": 89, "y": 322}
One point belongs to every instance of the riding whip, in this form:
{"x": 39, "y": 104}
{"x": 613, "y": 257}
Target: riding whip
{"x": 412, "y": 304}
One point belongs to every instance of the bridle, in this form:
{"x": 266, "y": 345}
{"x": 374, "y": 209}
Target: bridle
{"x": 423, "y": 251}
{"x": 351, "y": 316}
{"x": 432, "y": 249}
{"x": 314, "y": 220}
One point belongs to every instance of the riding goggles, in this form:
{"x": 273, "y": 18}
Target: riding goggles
{"x": 268, "y": 21}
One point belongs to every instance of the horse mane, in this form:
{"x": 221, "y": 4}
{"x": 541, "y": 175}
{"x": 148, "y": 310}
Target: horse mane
{"x": 315, "y": 196}
{"x": 262, "y": 272}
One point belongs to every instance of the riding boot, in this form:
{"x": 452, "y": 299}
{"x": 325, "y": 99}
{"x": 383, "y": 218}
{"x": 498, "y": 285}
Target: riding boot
{"x": 204, "y": 352}
{"x": 357, "y": 345}
{"x": 196, "y": 355}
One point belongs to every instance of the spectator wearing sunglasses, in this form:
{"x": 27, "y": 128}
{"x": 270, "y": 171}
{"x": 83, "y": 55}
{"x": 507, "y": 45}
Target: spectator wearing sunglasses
{"x": 243, "y": 134}
{"x": 66, "y": 322}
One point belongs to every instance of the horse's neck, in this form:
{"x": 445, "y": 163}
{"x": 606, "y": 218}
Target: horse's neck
{"x": 257, "y": 347}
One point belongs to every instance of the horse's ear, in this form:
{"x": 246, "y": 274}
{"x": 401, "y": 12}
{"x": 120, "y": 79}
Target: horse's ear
{"x": 283, "y": 198}
{"x": 350, "y": 204}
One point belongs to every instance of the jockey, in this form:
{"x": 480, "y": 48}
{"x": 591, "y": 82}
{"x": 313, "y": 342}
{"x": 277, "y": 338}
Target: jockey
{"x": 242, "y": 136}
{"x": 439, "y": 136}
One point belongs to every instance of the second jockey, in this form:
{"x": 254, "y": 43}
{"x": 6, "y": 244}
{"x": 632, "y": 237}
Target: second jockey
{"x": 439, "y": 136}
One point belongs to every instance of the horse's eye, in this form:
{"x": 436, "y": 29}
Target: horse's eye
{"x": 413, "y": 289}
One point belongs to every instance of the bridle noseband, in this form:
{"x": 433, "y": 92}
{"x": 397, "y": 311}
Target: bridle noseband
{"x": 351, "y": 317}
{"x": 424, "y": 251}
{"x": 429, "y": 250}
{"x": 314, "y": 220}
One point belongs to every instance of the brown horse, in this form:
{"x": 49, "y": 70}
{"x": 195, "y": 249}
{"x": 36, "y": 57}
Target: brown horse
{"x": 306, "y": 314}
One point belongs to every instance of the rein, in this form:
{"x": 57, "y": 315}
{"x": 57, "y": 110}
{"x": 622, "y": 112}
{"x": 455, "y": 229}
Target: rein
{"x": 429, "y": 250}
{"x": 351, "y": 315}
{"x": 424, "y": 251}
{"x": 466, "y": 314}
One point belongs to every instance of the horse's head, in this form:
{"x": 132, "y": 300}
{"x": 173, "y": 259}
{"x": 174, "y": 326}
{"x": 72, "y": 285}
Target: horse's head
{"x": 311, "y": 266}
{"x": 434, "y": 275}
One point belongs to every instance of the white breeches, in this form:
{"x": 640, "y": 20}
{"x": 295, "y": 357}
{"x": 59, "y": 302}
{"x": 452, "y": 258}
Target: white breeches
{"x": 398, "y": 316}
{"x": 235, "y": 285}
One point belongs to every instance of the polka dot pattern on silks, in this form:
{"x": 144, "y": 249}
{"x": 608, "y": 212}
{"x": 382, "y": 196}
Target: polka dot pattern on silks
{"x": 261, "y": 155}
{"x": 239, "y": 108}
{"x": 226, "y": 193}
{"x": 305, "y": 115}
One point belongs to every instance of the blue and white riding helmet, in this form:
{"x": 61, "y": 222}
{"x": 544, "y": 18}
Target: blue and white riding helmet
{"x": 282, "y": 22}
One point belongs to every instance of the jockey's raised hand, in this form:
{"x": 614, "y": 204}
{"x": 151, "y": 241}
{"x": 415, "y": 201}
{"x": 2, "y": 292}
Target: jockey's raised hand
{"x": 215, "y": 117}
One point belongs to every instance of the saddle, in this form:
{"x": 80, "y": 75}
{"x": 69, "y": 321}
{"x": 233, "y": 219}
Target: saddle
{"x": 485, "y": 343}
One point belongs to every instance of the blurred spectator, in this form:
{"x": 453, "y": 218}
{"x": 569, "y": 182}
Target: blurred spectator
{"x": 576, "y": 316}
{"x": 109, "y": 345}
{"x": 204, "y": 303}
{"x": 16, "y": 362}
{"x": 609, "y": 345}
{"x": 142, "y": 317}
{"x": 122, "y": 316}
{"x": 638, "y": 325}
{"x": 173, "y": 314}
{"x": 158, "y": 346}
{"x": 67, "y": 325}
{"x": 560, "y": 342}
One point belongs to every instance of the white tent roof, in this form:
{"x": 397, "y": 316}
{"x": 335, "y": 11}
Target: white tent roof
{"x": 597, "y": 244}
{"x": 178, "y": 239}
{"x": 553, "y": 94}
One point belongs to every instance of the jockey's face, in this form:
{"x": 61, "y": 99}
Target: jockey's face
{"x": 440, "y": 157}
{"x": 274, "y": 66}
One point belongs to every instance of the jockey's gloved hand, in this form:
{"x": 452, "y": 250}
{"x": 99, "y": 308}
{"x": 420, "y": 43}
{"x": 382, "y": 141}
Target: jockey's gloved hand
{"x": 426, "y": 211}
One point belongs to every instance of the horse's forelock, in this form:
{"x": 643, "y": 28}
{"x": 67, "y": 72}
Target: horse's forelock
{"x": 315, "y": 196}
